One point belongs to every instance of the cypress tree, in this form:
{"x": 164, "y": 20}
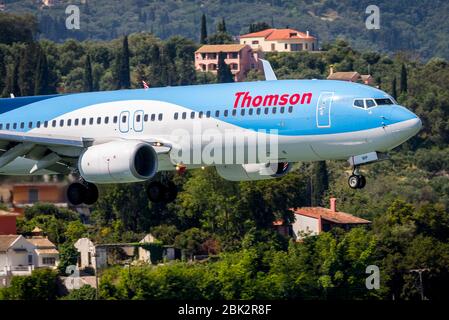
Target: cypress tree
{"x": 224, "y": 74}
{"x": 403, "y": 84}
{"x": 221, "y": 26}
{"x": 203, "y": 36}
{"x": 41, "y": 82}
{"x": 88, "y": 85}
{"x": 122, "y": 67}
{"x": 12, "y": 84}
{"x": 320, "y": 182}
{"x": 393, "y": 88}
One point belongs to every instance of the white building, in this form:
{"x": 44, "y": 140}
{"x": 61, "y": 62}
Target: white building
{"x": 19, "y": 256}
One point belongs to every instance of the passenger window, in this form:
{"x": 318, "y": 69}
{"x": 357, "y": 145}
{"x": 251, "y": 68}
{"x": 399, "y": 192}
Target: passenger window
{"x": 38, "y": 124}
{"x": 242, "y": 112}
{"x": 91, "y": 121}
{"x": 61, "y": 123}
{"x": 259, "y": 111}
{"x": 250, "y": 112}
{"x": 208, "y": 114}
{"x": 1, "y": 126}
{"x": 176, "y": 116}
{"x": 370, "y": 103}
{"x": 184, "y": 115}
{"x": 98, "y": 120}
{"x": 274, "y": 110}
{"x": 192, "y": 115}
{"x": 53, "y": 123}
{"x": 200, "y": 115}
{"x": 225, "y": 113}
{"x": 115, "y": 119}
{"x": 106, "y": 120}
{"x": 145, "y": 118}
{"x": 290, "y": 109}
{"x": 22, "y": 125}
{"x": 138, "y": 118}
{"x": 359, "y": 103}
{"x": 153, "y": 117}
{"x": 46, "y": 124}
{"x": 282, "y": 110}
{"x": 160, "y": 117}
{"x": 124, "y": 119}
{"x": 266, "y": 110}
{"x": 14, "y": 126}
{"x": 83, "y": 122}
{"x": 217, "y": 113}
{"x": 69, "y": 122}
{"x": 77, "y": 121}
{"x": 8, "y": 126}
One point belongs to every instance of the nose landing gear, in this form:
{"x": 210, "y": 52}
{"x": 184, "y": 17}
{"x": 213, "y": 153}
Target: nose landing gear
{"x": 356, "y": 180}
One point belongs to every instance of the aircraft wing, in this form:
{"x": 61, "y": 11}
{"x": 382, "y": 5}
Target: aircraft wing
{"x": 52, "y": 152}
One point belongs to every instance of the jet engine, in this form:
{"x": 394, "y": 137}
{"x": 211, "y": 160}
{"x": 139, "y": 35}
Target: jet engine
{"x": 118, "y": 162}
{"x": 253, "y": 171}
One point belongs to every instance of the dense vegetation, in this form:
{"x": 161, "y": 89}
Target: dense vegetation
{"x": 407, "y": 197}
{"x": 416, "y": 26}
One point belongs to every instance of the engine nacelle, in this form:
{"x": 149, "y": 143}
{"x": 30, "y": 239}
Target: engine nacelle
{"x": 253, "y": 171}
{"x": 118, "y": 162}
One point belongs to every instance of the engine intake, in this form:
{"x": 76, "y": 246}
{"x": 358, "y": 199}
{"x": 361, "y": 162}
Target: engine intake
{"x": 118, "y": 162}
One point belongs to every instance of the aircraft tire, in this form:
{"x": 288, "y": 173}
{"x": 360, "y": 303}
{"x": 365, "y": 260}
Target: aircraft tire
{"x": 354, "y": 181}
{"x": 171, "y": 192}
{"x": 362, "y": 182}
{"x": 76, "y": 193}
{"x": 156, "y": 191}
{"x": 90, "y": 194}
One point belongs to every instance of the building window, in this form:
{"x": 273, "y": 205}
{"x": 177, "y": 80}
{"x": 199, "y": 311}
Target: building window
{"x": 255, "y": 42}
{"x": 285, "y": 46}
{"x": 233, "y": 55}
{"x": 273, "y": 47}
{"x": 49, "y": 261}
{"x": 89, "y": 258}
{"x": 30, "y": 259}
{"x": 296, "y": 47}
{"x": 33, "y": 195}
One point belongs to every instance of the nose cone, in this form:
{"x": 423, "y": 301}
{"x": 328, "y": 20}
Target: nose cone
{"x": 404, "y": 124}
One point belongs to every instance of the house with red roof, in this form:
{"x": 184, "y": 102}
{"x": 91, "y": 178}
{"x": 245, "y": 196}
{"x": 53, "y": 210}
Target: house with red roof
{"x": 280, "y": 40}
{"x": 314, "y": 220}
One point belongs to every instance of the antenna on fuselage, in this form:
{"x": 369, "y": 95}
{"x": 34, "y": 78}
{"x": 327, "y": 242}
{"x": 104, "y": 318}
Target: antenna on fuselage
{"x": 268, "y": 70}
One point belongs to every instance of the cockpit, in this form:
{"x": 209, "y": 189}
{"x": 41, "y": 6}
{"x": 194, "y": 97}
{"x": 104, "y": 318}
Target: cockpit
{"x": 367, "y": 103}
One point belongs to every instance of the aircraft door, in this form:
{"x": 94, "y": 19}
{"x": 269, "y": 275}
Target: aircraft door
{"x": 124, "y": 122}
{"x": 138, "y": 121}
{"x": 323, "y": 110}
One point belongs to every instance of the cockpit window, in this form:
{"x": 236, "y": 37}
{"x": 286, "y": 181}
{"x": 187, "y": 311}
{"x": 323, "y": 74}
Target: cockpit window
{"x": 385, "y": 101}
{"x": 359, "y": 103}
{"x": 370, "y": 103}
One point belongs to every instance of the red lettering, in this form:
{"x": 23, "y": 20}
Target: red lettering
{"x": 294, "y": 99}
{"x": 307, "y": 95}
{"x": 283, "y": 100}
{"x": 270, "y": 99}
{"x": 246, "y": 100}
{"x": 257, "y": 101}
{"x": 238, "y": 95}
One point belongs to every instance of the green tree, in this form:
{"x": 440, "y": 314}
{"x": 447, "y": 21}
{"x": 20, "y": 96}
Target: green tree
{"x": 87, "y": 76}
{"x": 75, "y": 230}
{"x": 403, "y": 83}
{"x": 319, "y": 182}
{"x": 259, "y": 26}
{"x": 86, "y": 292}
{"x": 41, "y": 82}
{"x": 122, "y": 70}
{"x": 68, "y": 256}
{"x": 224, "y": 74}
{"x": 165, "y": 233}
{"x": 203, "y": 32}
{"x": 221, "y": 26}
{"x": 394, "y": 93}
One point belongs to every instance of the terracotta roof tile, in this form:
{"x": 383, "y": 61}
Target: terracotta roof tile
{"x": 215, "y": 48}
{"x": 327, "y": 214}
{"x": 349, "y": 75}
{"x": 41, "y": 242}
{"x": 6, "y": 241}
{"x": 278, "y": 34}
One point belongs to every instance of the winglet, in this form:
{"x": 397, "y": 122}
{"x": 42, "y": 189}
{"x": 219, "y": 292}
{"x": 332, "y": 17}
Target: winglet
{"x": 268, "y": 70}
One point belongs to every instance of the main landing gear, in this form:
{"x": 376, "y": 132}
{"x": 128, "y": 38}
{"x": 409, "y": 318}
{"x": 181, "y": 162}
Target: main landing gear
{"x": 82, "y": 193}
{"x": 162, "y": 192}
{"x": 356, "y": 180}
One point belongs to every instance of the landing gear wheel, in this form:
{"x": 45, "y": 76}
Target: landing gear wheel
{"x": 362, "y": 182}
{"x": 91, "y": 194}
{"x": 171, "y": 192}
{"x": 76, "y": 193}
{"x": 354, "y": 181}
{"x": 156, "y": 191}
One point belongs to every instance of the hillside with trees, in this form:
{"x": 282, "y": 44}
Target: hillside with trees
{"x": 407, "y": 197}
{"x": 418, "y": 27}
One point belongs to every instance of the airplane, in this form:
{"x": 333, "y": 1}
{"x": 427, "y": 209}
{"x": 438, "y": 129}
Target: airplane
{"x": 127, "y": 136}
